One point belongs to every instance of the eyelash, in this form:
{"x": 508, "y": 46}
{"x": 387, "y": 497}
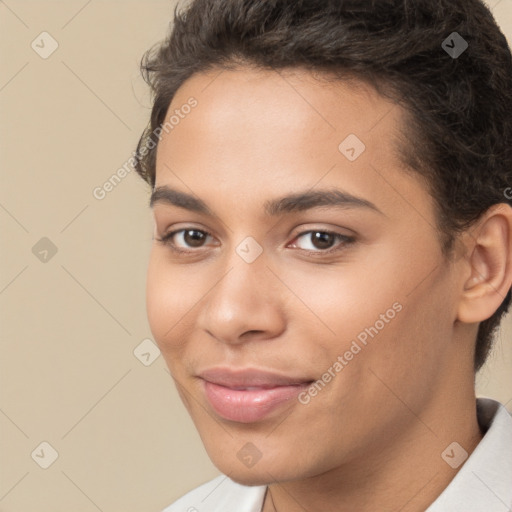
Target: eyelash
{"x": 345, "y": 241}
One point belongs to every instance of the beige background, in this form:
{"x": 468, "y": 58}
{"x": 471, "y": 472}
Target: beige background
{"x": 70, "y": 325}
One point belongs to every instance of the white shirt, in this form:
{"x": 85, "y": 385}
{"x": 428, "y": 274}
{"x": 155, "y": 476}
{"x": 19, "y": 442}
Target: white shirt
{"x": 483, "y": 484}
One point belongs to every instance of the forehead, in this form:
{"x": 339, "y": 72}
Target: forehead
{"x": 281, "y": 111}
{"x": 293, "y": 98}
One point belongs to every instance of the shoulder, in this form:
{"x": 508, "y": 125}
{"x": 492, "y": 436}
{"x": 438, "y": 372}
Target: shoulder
{"x": 220, "y": 495}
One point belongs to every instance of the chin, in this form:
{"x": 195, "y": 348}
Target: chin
{"x": 239, "y": 473}
{"x": 263, "y": 472}
{"x": 251, "y": 479}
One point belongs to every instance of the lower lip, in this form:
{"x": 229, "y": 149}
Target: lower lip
{"x": 248, "y": 406}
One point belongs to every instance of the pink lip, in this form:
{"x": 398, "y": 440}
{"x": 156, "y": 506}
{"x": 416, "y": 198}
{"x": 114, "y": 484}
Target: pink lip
{"x": 249, "y": 395}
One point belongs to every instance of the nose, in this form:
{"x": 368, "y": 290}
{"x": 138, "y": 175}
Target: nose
{"x": 245, "y": 304}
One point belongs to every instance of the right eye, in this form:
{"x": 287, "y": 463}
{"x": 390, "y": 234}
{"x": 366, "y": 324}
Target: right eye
{"x": 190, "y": 237}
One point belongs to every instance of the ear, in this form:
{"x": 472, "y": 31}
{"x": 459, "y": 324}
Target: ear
{"x": 489, "y": 265}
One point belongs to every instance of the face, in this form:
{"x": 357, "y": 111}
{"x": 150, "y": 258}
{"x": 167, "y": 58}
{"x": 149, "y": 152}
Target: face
{"x": 299, "y": 294}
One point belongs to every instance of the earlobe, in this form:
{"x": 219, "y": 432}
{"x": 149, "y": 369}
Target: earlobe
{"x": 489, "y": 258}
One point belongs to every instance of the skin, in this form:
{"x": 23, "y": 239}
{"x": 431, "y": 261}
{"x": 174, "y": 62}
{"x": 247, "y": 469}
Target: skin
{"x": 372, "y": 438}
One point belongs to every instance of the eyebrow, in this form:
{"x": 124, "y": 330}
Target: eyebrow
{"x": 299, "y": 201}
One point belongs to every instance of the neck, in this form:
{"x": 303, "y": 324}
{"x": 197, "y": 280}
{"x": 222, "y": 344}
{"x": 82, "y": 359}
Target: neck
{"x": 408, "y": 473}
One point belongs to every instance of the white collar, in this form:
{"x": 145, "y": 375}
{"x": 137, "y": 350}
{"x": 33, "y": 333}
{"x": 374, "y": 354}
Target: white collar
{"x": 484, "y": 483}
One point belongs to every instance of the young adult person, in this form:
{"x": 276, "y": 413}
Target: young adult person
{"x": 333, "y": 249}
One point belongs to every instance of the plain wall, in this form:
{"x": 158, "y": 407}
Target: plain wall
{"x": 70, "y": 324}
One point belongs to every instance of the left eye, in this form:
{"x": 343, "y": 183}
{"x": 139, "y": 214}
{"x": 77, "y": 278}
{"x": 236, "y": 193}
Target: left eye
{"x": 323, "y": 240}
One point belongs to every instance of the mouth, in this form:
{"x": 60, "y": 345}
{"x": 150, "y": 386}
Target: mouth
{"x": 248, "y": 395}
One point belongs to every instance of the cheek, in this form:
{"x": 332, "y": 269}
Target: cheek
{"x": 409, "y": 354}
{"x": 344, "y": 301}
{"x": 169, "y": 301}
{"x": 394, "y": 319}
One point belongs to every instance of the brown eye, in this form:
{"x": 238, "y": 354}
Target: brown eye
{"x": 193, "y": 237}
{"x": 322, "y": 242}
{"x": 185, "y": 240}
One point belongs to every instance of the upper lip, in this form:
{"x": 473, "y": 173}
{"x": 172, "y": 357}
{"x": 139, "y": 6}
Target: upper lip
{"x": 249, "y": 377}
